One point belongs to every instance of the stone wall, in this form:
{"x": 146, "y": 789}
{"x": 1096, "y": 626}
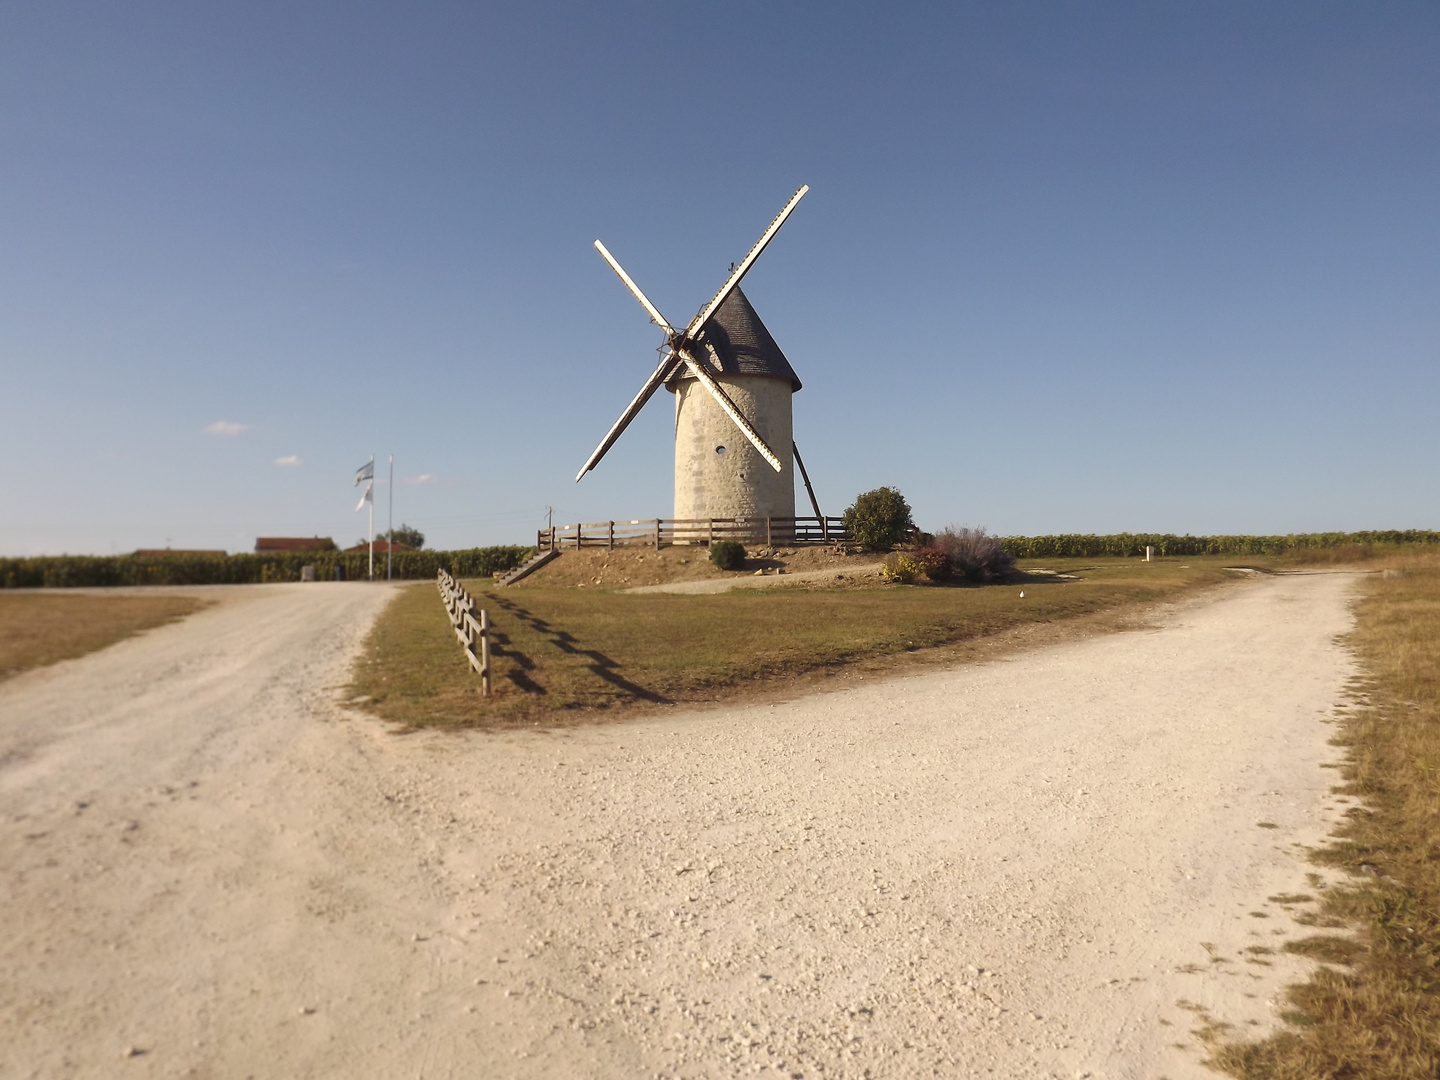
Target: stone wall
{"x": 718, "y": 473}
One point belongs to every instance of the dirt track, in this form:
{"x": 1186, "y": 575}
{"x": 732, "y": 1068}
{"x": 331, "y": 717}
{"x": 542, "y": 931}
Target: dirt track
{"x": 1012, "y": 869}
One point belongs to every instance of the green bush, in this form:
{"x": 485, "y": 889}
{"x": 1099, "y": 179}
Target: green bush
{"x": 728, "y": 554}
{"x": 879, "y": 519}
{"x": 902, "y": 567}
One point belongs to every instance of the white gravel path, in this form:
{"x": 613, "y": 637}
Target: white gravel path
{"x": 1036, "y": 867}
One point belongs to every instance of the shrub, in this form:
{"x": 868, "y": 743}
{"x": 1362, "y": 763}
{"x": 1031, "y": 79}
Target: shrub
{"x": 727, "y": 554}
{"x": 935, "y": 562}
{"x": 974, "y": 555}
{"x": 879, "y": 519}
{"x": 900, "y": 566}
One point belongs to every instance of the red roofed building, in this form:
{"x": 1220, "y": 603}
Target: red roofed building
{"x": 279, "y": 545}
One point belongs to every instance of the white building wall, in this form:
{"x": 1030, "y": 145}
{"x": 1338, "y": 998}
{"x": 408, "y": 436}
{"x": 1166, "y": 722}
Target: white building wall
{"x": 737, "y": 482}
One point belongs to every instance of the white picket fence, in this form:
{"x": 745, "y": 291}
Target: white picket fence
{"x": 471, "y": 626}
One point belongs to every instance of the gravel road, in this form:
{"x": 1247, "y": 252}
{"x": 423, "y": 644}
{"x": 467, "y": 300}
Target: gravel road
{"x": 1049, "y": 865}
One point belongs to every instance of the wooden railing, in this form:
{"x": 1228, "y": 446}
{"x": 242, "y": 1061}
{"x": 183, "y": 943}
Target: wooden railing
{"x": 662, "y": 532}
{"x": 471, "y": 626}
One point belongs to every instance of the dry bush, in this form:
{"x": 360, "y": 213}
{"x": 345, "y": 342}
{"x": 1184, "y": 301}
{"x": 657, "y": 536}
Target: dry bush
{"x": 934, "y": 561}
{"x": 973, "y": 554}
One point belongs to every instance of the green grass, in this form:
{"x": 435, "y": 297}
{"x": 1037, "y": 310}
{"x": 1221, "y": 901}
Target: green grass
{"x": 42, "y": 628}
{"x": 1375, "y": 1011}
{"x": 562, "y": 653}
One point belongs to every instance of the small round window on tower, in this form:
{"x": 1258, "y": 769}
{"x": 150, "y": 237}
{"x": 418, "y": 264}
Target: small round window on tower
{"x": 720, "y": 450}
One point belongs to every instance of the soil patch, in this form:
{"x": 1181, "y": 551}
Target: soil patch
{"x": 627, "y": 567}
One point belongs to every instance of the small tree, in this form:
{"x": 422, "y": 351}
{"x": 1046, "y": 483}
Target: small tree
{"x": 879, "y": 519}
{"x": 407, "y": 535}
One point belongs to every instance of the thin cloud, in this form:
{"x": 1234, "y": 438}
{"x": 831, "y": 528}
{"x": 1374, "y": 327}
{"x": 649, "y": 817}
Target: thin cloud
{"x": 423, "y": 478}
{"x": 225, "y": 427}
{"x": 288, "y": 460}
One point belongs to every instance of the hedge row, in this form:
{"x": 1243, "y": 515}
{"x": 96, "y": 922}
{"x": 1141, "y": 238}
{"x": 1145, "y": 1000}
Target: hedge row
{"x": 1133, "y": 544}
{"x": 60, "y": 571}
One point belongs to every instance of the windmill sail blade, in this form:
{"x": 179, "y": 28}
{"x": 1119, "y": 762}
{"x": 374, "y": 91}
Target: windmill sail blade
{"x": 731, "y": 410}
{"x": 655, "y": 316}
{"x": 658, "y": 376}
{"x": 739, "y": 272}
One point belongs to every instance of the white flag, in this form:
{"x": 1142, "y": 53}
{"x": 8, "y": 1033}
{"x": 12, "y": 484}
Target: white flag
{"x": 367, "y": 497}
{"x": 365, "y": 472}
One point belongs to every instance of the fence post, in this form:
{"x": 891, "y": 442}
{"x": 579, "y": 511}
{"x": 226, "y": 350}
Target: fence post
{"x": 657, "y": 534}
{"x": 768, "y": 542}
{"x": 552, "y": 536}
{"x": 612, "y": 536}
{"x": 484, "y": 653}
{"x": 711, "y": 538}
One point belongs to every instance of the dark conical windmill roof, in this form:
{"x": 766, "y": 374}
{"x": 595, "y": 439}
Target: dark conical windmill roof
{"x": 742, "y": 344}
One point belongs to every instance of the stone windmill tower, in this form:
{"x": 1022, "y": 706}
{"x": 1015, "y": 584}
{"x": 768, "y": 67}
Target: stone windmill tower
{"x": 734, "y": 439}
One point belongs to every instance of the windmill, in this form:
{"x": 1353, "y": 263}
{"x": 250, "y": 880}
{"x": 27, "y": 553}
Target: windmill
{"x": 729, "y": 378}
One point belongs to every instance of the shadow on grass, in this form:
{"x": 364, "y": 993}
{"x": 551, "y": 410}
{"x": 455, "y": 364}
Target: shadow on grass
{"x": 1015, "y": 577}
{"x": 599, "y": 664}
{"x": 500, "y": 646}
{"x": 1030, "y": 577}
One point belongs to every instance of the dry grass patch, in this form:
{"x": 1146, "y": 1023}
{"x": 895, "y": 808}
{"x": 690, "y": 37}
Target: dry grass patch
{"x": 1376, "y": 1013}
{"x": 564, "y": 653}
{"x": 627, "y": 567}
{"x": 42, "y": 628}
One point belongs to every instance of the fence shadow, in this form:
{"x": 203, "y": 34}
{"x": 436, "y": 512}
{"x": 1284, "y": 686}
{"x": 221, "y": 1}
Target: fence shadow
{"x": 600, "y": 665}
{"x": 520, "y": 675}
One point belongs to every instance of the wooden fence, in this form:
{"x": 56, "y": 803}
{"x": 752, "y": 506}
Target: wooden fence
{"x": 663, "y": 532}
{"x": 471, "y": 626}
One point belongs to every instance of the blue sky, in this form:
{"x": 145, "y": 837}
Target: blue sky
{"x": 1063, "y": 267}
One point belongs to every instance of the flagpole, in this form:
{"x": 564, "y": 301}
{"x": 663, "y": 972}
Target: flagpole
{"x": 390, "y": 513}
{"x": 372, "y": 519}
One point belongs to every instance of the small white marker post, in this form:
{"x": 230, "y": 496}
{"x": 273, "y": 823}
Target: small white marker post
{"x": 484, "y": 653}
{"x": 1149, "y": 553}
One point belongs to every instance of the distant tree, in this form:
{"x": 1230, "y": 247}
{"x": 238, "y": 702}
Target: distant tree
{"x": 407, "y": 535}
{"x": 879, "y": 519}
